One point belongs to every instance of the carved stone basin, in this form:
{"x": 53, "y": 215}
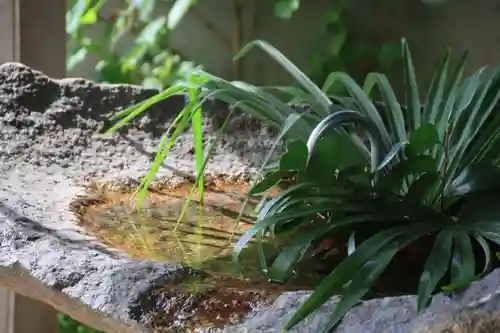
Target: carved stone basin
{"x": 71, "y": 236}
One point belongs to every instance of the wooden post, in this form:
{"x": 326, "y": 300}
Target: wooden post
{"x": 32, "y": 32}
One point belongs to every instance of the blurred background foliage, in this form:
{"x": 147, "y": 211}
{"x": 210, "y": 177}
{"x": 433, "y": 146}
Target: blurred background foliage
{"x": 68, "y": 325}
{"x": 134, "y": 44}
{"x": 150, "y": 61}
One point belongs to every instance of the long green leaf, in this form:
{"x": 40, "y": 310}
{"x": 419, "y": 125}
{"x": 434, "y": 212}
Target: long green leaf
{"x": 165, "y": 145}
{"x": 486, "y": 251}
{"x": 434, "y": 103}
{"x": 465, "y": 135}
{"x": 364, "y": 104}
{"x": 197, "y": 126}
{"x": 288, "y": 256}
{"x": 463, "y": 264}
{"x": 379, "y": 149}
{"x": 343, "y": 272}
{"x": 412, "y": 95}
{"x": 293, "y": 70}
{"x": 264, "y": 224}
{"x": 451, "y": 96}
{"x": 366, "y": 277}
{"x": 393, "y": 109}
{"x": 483, "y": 137}
{"x": 135, "y": 110}
{"x": 435, "y": 267}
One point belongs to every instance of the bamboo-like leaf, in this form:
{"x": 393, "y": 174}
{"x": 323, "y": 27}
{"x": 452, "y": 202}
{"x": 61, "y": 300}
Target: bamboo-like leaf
{"x": 295, "y": 158}
{"x": 180, "y": 124}
{"x": 474, "y": 178}
{"x": 423, "y": 139}
{"x": 485, "y": 129}
{"x": 415, "y": 165}
{"x": 267, "y": 183}
{"x": 135, "y": 110}
{"x": 421, "y": 187}
{"x": 197, "y": 127}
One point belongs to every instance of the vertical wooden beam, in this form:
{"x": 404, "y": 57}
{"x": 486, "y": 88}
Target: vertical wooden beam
{"x": 32, "y": 32}
{"x": 20, "y": 314}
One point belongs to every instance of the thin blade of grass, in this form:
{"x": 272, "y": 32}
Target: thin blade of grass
{"x": 200, "y": 174}
{"x": 134, "y": 111}
{"x": 163, "y": 150}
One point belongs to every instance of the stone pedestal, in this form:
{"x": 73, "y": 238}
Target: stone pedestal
{"x": 34, "y": 33}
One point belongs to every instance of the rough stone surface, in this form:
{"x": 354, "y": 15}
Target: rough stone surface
{"x": 50, "y": 144}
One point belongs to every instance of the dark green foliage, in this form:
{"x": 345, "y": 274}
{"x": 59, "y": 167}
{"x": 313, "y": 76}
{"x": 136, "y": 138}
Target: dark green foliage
{"x": 388, "y": 177}
{"x": 417, "y": 165}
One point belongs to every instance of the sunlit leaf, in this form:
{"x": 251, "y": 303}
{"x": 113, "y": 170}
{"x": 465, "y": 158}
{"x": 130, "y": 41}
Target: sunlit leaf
{"x": 285, "y": 8}
{"x": 178, "y": 11}
{"x": 76, "y": 58}
{"x": 150, "y": 33}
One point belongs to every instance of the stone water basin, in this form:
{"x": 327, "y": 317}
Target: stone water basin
{"x": 226, "y": 291}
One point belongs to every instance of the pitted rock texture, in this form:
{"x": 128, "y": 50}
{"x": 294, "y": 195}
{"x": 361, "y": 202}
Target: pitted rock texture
{"x": 51, "y": 142}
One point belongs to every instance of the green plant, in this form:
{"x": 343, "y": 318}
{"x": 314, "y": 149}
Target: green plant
{"x": 134, "y": 44}
{"x": 425, "y": 170}
{"x": 69, "y": 325}
{"x": 134, "y": 47}
{"x": 149, "y": 61}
